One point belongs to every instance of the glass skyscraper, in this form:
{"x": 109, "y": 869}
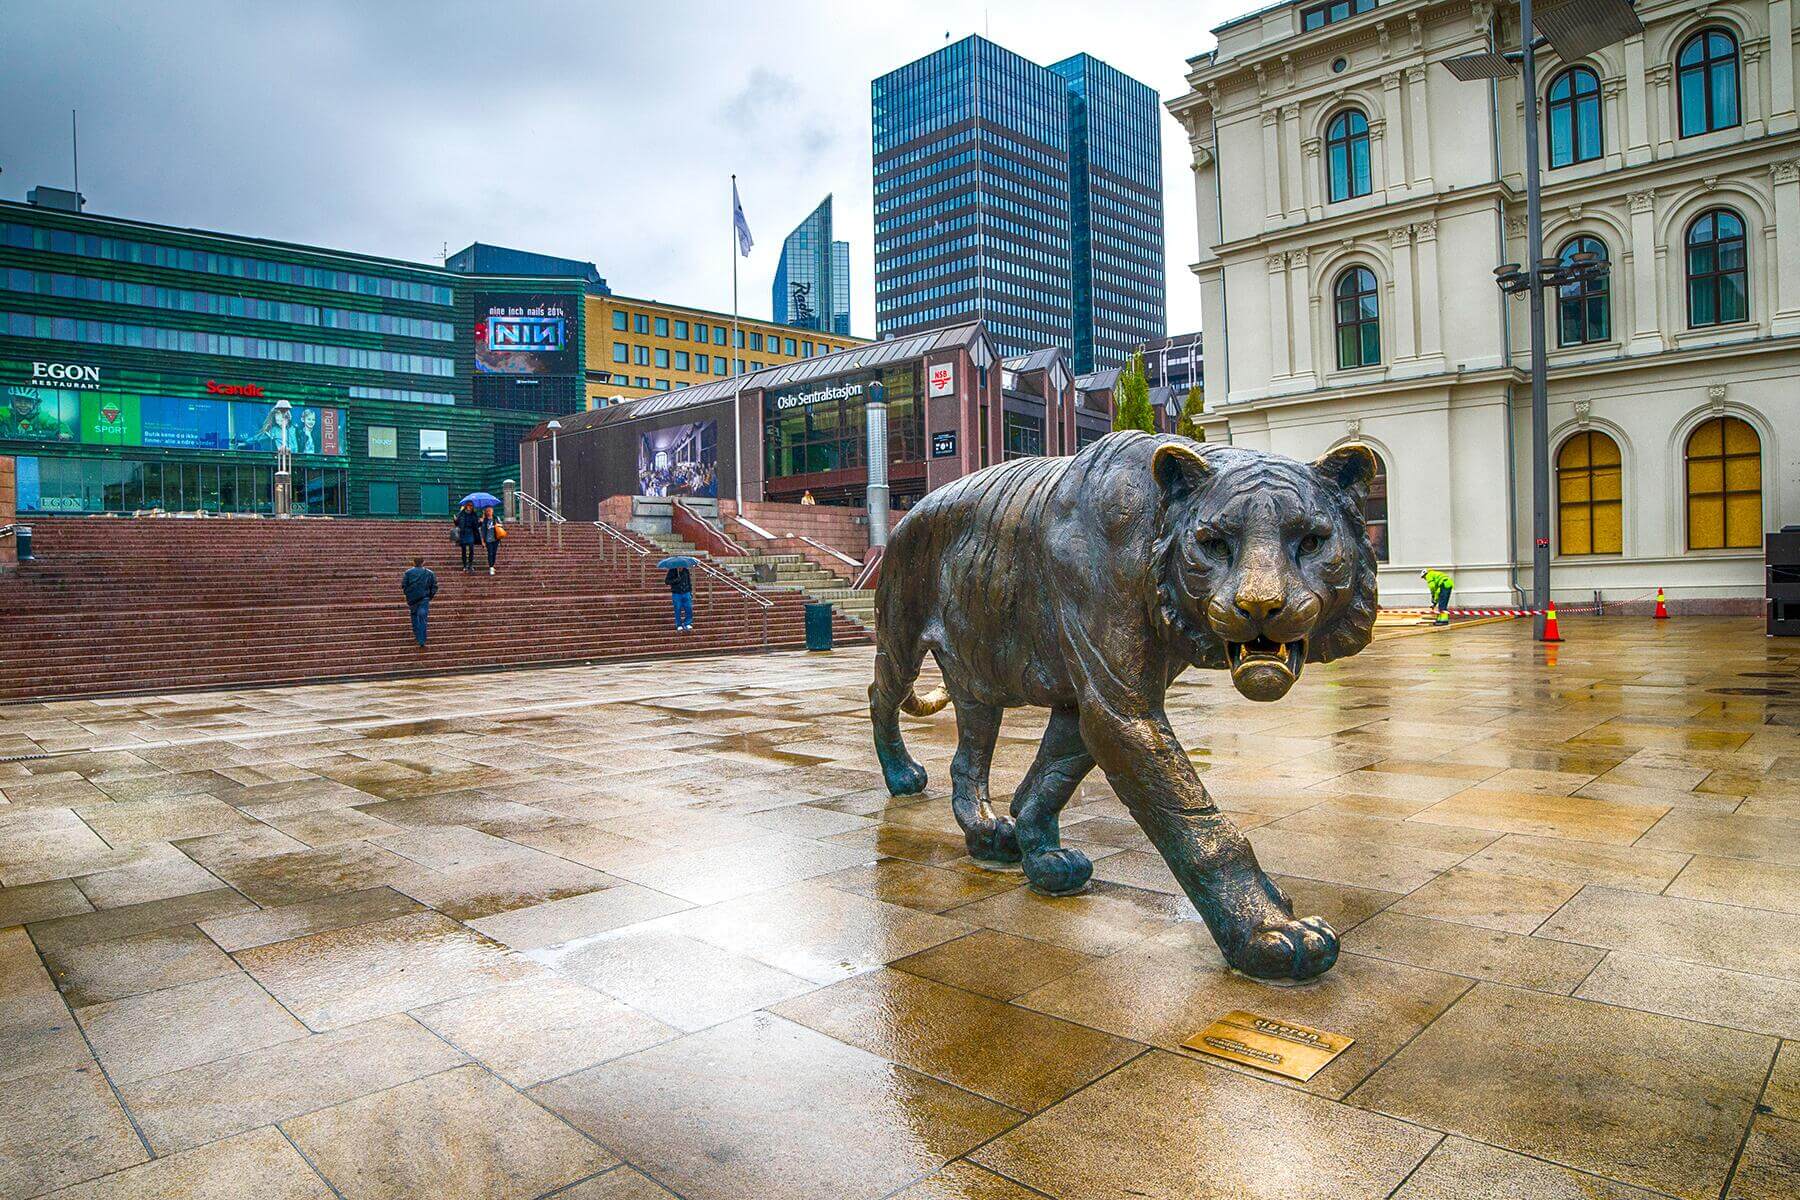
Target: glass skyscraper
{"x": 1116, "y": 211}
{"x": 1018, "y": 194}
{"x": 812, "y": 281}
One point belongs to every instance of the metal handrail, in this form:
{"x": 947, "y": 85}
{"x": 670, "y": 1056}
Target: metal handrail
{"x": 824, "y": 549}
{"x": 729, "y": 580}
{"x": 619, "y": 536}
{"x": 737, "y": 548}
{"x": 548, "y": 513}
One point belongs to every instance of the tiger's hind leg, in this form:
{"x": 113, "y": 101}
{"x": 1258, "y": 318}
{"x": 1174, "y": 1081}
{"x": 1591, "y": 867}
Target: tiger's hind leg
{"x": 989, "y": 836}
{"x": 1061, "y": 764}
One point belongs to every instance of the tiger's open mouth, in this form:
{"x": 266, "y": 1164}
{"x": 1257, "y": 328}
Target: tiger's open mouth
{"x": 1264, "y": 670}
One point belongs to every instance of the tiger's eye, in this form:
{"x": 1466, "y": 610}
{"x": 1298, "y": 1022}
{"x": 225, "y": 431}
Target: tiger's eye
{"x": 1215, "y": 547}
{"x": 1310, "y": 543}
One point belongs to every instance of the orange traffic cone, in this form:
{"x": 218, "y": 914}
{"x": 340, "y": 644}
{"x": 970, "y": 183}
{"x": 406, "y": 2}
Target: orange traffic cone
{"x": 1662, "y": 609}
{"x": 1551, "y": 634}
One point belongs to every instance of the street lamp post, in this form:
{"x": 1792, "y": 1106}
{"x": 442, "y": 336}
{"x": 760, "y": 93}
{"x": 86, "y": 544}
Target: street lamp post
{"x": 284, "y": 458}
{"x": 555, "y": 470}
{"x": 1575, "y": 29}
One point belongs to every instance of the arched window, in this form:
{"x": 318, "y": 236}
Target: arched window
{"x": 1589, "y": 505}
{"x": 1718, "y": 277}
{"x": 1706, "y": 80}
{"x": 1375, "y": 510}
{"x": 1724, "y": 486}
{"x": 1574, "y": 116}
{"x": 1584, "y": 309}
{"x": 1347, "y": 154}
{"x": 1358, "y": 319}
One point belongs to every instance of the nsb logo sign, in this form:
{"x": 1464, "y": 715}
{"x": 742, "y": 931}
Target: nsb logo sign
{"x": 68, "y": 374}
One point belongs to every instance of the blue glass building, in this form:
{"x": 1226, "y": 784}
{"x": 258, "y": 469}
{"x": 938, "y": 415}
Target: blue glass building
{"x": 1116, "y": 213}
{"x": 992, "y": 174}
{"x": 812, "y": 281}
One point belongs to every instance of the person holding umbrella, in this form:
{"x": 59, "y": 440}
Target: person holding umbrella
{"x": 468, "y": 529}
{"x": 680, "y": 581}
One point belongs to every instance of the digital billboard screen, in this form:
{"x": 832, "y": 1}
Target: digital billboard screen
{"x": 525, "y": 334}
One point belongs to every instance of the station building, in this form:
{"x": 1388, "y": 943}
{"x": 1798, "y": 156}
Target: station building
{"x": 143, "y": 366}
{"x": 953, "y": 407}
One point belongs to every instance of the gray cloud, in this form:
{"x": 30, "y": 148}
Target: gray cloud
{"x": 595, "y": 130}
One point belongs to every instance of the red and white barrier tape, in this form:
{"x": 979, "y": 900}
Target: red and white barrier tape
{"x": 1484, "y": 612}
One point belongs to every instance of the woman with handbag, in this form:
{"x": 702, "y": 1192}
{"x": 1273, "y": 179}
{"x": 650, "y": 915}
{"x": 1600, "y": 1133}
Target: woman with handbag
{"x": 468, "y": 532}
{"x": 491, "y": 533}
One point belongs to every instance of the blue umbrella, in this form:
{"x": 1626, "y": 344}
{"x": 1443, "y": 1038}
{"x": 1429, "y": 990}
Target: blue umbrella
{"x": 480, "y": 500}
{"x": 678, "y": 560}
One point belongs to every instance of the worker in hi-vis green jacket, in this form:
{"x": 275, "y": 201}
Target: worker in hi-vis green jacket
{"x": 1441, "y": 586}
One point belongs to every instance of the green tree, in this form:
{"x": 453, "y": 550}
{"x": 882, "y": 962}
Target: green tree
{"x": 1131, "y": 398}
{"x": 1189, "y": 423}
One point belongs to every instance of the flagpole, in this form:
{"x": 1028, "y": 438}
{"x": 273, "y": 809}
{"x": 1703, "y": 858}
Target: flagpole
{"x": 737, "y": 391}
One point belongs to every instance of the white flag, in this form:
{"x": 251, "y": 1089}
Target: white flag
{"x": 743, "y": 226}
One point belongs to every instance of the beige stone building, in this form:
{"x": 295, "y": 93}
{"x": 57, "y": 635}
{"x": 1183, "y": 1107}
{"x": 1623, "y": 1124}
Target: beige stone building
{"x": 1354, "y": 199}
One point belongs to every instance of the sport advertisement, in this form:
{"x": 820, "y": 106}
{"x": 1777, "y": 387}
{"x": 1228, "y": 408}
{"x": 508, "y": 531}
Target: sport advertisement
{"x": 680, "y": 461}
{"x": 522, "y": 334}
{"x": 35, "y": 414}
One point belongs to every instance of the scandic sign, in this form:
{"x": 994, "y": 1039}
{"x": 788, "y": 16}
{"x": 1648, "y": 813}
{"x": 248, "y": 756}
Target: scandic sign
{"x": 233, "y": 389}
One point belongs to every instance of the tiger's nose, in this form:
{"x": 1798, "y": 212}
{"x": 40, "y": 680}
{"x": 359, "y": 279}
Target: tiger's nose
{"x": 1258, "y": 606}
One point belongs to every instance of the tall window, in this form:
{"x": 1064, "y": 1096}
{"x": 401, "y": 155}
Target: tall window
{"x": 1347, "y": 154}
{"x": 1706, "y": 73}
{"x": 1589, "y": 504}
{"x": 1375, "y": 510}
{"x": 1584, "y": 309}
{"x": 1718, "y": 277}
{"x": 1358, "y": 319}
{"x": 1724, "y": 486}
{"x": 1574, "y": 116}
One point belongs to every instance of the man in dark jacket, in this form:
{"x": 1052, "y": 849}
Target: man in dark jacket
{"x": 419, "y": 585}
{"x": 681, "y": 593}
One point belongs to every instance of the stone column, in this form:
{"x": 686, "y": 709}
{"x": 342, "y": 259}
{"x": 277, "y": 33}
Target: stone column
{"x": 1786, "y": 178}
{"x": 1312, "y": 178}
{"x": 1380, "y": 176}
{"x": 1396, "y": 175}
{"x": 1612, "y": 100}
{"x": 1271, "y": 169}
{"x": 1406, "y": 346}
{"x": 1782, "y": 116}
{"x": 1646, "y": 337}
{"x": 1417, "y": 90}
{"x": 1294, "y": 203}
{"x": 1750, "y": 60}
{"x": 1430, "y": 304}
{"x": 1300, "y": 316}
{"x": 1637, "y": 104}
{"x": 1662, "y": 112}
{"x": 1279, "y": 349}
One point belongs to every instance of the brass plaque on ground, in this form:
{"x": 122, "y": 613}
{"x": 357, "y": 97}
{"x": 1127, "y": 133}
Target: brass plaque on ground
{"x": 1295, "y": 1051}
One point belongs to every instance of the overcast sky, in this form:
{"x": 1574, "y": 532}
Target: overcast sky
{"x": 602, "y": 131}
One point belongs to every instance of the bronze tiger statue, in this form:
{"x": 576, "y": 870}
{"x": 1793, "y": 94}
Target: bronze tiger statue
{"x": 1085, "y": 585}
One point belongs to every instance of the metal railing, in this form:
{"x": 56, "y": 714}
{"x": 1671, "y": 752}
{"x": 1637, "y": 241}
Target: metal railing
{"x": 539, "y": 507}
{"x": 824, "y": 549}
{"x": 619, "y": 537}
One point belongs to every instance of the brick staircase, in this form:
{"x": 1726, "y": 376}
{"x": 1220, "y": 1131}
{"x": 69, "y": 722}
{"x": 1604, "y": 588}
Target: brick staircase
{"x": 117, "y": 605}
{"x": 809, "y": 573}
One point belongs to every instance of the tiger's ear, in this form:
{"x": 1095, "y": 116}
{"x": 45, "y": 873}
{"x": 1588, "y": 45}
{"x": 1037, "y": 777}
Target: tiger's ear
{"x": 1179, "y": 470}
{"x": 1351, "y": 466}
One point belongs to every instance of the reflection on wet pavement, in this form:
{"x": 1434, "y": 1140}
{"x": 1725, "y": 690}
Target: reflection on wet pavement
{"x": 655, "y": 930}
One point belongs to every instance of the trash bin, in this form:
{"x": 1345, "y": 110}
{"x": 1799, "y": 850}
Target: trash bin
{"x": 22, "y": 533}
{"x": 818, "y": 626}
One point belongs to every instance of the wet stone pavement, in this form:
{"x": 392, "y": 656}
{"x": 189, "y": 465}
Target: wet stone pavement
{"x": 644, "y": 930}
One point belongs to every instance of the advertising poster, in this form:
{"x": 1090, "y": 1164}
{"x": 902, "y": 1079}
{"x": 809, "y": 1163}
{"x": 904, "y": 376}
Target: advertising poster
{"x": 184, "y": 424}
{"x": 110, "y": 419}
{"x": 525, "y": 334}
{"x": 35, "y": 414}
{"x": 682, "y": 461}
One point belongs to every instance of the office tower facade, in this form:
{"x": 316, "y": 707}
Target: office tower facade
{"x": 990, "y": 175}
{"x": 812, "y": 281}
{"x": 1116, "y": 212}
